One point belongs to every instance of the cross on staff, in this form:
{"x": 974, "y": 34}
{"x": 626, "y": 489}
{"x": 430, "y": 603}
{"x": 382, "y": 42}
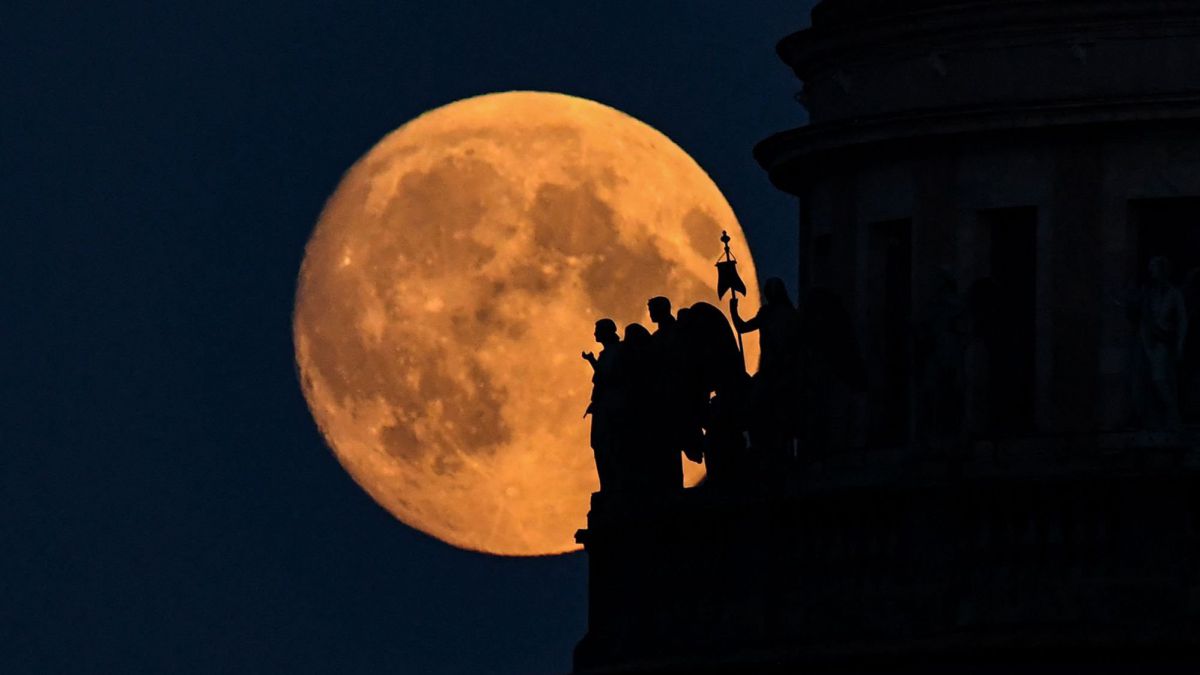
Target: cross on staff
{"x": 728, "y": 280}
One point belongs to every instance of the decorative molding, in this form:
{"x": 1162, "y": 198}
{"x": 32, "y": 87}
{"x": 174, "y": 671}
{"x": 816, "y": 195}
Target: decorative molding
{"x": 783, "y": 152}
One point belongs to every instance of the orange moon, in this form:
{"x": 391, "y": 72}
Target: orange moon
{"x": 451, "y": 283}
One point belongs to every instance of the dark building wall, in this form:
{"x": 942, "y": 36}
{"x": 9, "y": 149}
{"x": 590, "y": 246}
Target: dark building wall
{"x": 935, "y": 113}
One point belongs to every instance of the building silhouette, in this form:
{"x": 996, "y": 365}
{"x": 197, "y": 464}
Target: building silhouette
{"x": 992, "y": 175}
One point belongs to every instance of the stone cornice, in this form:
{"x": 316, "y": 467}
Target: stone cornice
{"x": 784, "y": 154}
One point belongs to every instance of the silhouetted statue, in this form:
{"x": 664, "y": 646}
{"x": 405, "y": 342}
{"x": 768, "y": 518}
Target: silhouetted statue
{"x": 668, "y": 426}
{"x": 834, "y": 376}
{"x": 1160, "y": 317}
{"x": 682, "y": 312}
{"x": 710, "y": 346}
{"x": 714, "y": 386}
{"x": 775, "y": 396}
{"x": 646, "y": 462}
{"x": 660, "y": 314}
{"x": 608, "y": 404}
{"x": 940, "y": 343}
{"x": 779, "y": 326}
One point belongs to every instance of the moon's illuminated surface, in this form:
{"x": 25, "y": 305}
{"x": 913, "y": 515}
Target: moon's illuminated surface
{"x": 451, "y": 283}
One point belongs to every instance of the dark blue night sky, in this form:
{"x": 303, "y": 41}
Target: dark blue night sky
{"x": 168, "y": 503}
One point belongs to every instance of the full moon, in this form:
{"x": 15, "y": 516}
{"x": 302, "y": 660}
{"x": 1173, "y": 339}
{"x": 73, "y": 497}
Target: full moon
{"x": 451, "y": 283}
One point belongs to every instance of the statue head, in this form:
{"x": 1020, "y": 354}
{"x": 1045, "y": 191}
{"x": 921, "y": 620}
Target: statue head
{"x": 660, "y": 309}
{"x": 775, "y": 292}
{"x": 1160, "y": 270}
{"x": 606, "y": 332}
{"x": 636, "y": 334}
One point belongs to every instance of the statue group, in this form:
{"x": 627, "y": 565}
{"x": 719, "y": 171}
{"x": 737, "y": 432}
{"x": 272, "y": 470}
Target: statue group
{"x": 684, "y": 388}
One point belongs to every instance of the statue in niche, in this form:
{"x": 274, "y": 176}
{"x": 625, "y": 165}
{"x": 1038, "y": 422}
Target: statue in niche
{"x": 1159, "y": 317}
{"x": 939, "y": 348}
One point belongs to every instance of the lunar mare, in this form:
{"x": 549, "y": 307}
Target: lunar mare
{"x": 451, "y": 283}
